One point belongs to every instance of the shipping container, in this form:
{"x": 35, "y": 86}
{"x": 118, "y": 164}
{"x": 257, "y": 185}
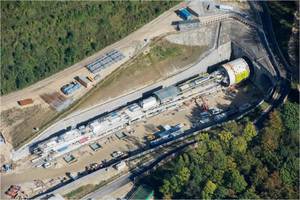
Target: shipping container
{"x": 82, "y": 80}
{"x": 82, "y": 140}
{"x": 185, "y": 14}
{"x": 224, "y": 7}
{"x": 192, "y": 11}
{"x": 105, "y": 61}
{"x": 121, "y": 165}
{"x": 25, "y": 102}
{"x": 70, "y": 88}
{"x": 90, "y": 78}
{"x": 149, "y": 103}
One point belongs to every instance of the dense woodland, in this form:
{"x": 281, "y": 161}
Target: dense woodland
{"x": 40, "y": 38}
{"x": 286, "y": 29}
{"x": 235, "y": 161}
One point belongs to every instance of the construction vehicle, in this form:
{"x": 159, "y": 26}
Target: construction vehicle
{"x": 90, "y": 78}
{"x": 205, "y": 106}
{"x": 150, "y": 137}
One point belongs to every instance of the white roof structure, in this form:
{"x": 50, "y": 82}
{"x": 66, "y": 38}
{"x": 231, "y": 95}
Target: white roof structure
{"x": 149, "y": 103}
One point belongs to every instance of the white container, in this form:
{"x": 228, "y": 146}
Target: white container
{"x": 121, "y": 165}
{"x": 148, "y": 103}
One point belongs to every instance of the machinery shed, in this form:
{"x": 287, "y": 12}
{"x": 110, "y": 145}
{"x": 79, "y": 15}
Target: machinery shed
{"x": 167, "y": 93}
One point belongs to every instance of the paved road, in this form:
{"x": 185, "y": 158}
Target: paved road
{"x": 278, "y": 96}
{"x": 110, "y": 188}
{"x": 93, "y": 112}
{"x": 123, "y": 180}
{"x": 156, "y": 27}
{"x": 278, "y": 61}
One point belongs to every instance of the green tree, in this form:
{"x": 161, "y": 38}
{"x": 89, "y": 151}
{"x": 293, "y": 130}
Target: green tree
{"x": 290, "y": 116}
{"x": 250, "y": 194}
{"x": 203, "y": 137}
{"x": 249, "y": 131}
{"x": 220, "y": 193}
{"x": 73, "y": 29}
{"x": 270, "y": 139}
{"x": 183, "y": 175}
{"x": 289, "y": 173}
{"x": 239, "y": 144}
{"x": 236, "y": 181}
{"x": 166, "y": 187}
{"x": 225, "y": 136}
{"x": 208, "y": 190}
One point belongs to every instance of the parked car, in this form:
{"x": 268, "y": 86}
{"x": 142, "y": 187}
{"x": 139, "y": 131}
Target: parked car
{"x": 244, "y": 107}
{"x": 47, "y": 165}
{"x": 220, "y": 116}
{"x": 204, "y": 120}
{"x": 116, "y": 154}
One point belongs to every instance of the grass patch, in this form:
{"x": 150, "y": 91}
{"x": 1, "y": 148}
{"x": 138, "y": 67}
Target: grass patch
{"x": 162, "y": 58}
{"x": 89, "y": 188}
{"x": 22, "y": 121}
{"x": 80, "y": 192}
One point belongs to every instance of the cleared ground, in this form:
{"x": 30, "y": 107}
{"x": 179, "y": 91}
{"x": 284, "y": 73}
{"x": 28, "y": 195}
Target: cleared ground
{"x": 129, "y": 46}
{"x": 159, "y": 61}
{"x": 163, "y": 59}
{"x": 85, "y": 156}
{"x": 18, "y": 124}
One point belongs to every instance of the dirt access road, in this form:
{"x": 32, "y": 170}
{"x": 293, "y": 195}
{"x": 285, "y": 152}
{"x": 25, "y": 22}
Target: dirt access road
{"x": 129, "y": 46}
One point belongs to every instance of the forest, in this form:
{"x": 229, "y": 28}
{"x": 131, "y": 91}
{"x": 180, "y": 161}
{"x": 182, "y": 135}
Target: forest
{"x": 286, "y": 29}
{"x": 237, "y": 161}
{"x": 40, "y": 38}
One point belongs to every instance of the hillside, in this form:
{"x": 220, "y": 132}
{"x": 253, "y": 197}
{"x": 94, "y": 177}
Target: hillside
{"x": 41, "y": 38}
{"x": 286, "y": 29}
{"x": 236, "y": 162}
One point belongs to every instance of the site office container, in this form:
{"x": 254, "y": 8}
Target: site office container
{"x": 70, "y": 88}
{"x": 224, "y": 7}
{"x": 149, "y": 103}
{"x": 25, "y": 102}
{"x": 82, "y": 140}
{"x": 90, "y": 78}
{"x": 184, "y": 13}
{"x": 12, "y": 194}
{"x": 82, "y": 80}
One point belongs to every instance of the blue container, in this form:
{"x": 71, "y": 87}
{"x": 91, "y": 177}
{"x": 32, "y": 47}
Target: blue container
{"x": 185, "y": 14}
{"x": 70, "y": 88}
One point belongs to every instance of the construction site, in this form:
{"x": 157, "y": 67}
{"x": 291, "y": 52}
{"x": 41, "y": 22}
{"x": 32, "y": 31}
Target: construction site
{"x": 110, "y": 111}
{"x": 165, "y": 99}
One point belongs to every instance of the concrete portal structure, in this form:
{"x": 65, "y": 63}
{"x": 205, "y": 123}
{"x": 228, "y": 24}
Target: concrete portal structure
{"x": 263, "y": 75}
